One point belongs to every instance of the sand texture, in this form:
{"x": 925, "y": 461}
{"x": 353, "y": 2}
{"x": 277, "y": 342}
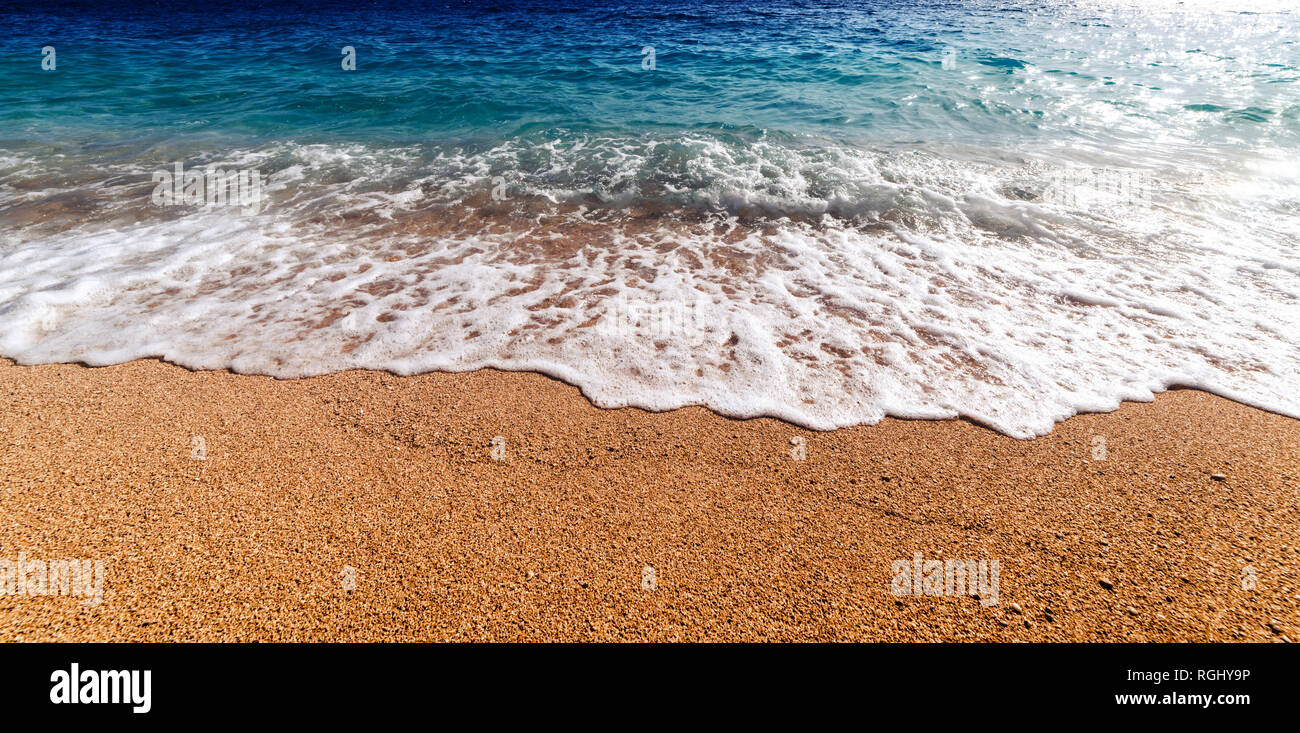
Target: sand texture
{"x": 365, "y": 506}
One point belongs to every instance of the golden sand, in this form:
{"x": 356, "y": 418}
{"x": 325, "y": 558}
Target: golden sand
{"x": 365, "y": 506}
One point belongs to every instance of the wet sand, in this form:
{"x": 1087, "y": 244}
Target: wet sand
{"x": 365, "y": 506}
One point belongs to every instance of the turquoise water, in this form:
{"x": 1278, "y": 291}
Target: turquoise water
{"x": 827, "y": 212}
{"x": 1080, "y": 73}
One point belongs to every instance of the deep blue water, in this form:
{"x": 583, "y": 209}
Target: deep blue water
{"x": 861, "y": 71}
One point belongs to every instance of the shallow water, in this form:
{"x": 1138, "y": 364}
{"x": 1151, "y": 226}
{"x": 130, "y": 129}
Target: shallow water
{"x": 827, "y": 213}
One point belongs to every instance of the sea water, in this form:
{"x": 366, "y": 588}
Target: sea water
{"x": 825, "y": 212}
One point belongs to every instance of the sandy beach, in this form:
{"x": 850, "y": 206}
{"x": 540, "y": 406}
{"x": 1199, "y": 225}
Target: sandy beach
{"x": 363, "y": 506}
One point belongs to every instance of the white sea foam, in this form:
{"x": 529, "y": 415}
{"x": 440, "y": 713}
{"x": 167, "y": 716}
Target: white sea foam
{"x": 828, "y": 286}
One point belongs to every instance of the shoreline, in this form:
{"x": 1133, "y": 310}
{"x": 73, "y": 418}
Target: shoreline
{"x": 10, "y": 362}
{"x": 395, "y": 478}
